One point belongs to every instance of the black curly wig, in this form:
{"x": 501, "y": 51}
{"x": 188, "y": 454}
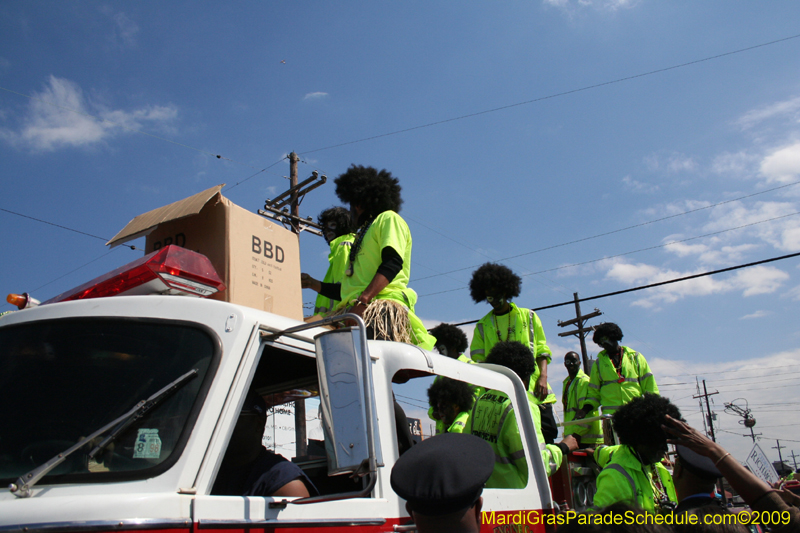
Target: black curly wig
{"x": 450, "y": 391}
{"x": 513, "y": 355}
{"x": 339, "y": 215}
{"x": 609, "y": 330}
{"x": 494, "y": 277}
{"x": 452, "y": 337}
{"x": 373, "y": 190}
{"x": 638, "y": 422}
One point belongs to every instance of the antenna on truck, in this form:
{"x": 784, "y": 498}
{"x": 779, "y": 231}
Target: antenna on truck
{"x": 284, "y": 208}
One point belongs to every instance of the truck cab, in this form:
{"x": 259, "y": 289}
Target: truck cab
{"x": 131, "y": 402}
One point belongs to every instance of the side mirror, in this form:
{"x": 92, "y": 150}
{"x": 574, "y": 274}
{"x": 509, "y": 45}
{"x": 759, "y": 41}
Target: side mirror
{"x": 347, "y": 401}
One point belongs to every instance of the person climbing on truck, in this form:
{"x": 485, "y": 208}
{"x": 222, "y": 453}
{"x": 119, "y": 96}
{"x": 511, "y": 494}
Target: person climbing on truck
{"x": 497, "y": 284}
{"x": 375, "y": 284}
{"x": 339, "y": 233}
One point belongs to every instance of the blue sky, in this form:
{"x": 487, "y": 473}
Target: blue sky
{"x": 110, "y": 109}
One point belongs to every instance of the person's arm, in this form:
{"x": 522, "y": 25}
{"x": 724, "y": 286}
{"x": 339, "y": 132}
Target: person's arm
{"x": 540, "y": 390}
{"x": 293, "y": 488}
{"x": 749, "y": 487}
{"x": 592, "y": 392}
{"x": 646, "y": 378}
{"x": 476, "y": 348}
{"x": 612, "y": 487}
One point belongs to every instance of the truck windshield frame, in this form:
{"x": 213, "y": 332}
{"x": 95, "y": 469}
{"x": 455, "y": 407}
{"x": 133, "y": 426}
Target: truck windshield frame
{"x": 65, "y": 378}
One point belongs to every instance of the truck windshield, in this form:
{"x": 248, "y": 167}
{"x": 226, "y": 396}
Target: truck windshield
{"x": 64, "y": 379}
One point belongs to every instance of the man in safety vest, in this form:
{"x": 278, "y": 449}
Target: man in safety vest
{"x": 631, "y": 473}
{"x": 338, "y": 230}
{"x": 572, "y": 397}
{"x": 451, "y": 341}
{"x": 497, "y": 284}
{"x": 451, "y": 402}
{"x": 619, "y": 374}
{"x": 493, "y": 419}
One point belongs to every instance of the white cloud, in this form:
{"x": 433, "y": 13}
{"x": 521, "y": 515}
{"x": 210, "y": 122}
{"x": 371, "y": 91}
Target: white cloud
{"x": 315, "y": 96}
{"x": 733, "y": 164}
{"x": 610, "y": 5}
{"x": 782, "y": 165}
{"x": 126, "y": 30}
{"x": 787, "y": 108}
{"x": 639, "y": 186}
{"x": 673, "y": 163}
{"x": 750, "y": 282}
{"x": 757, "y": 314}
{"x": 60, "y": 116}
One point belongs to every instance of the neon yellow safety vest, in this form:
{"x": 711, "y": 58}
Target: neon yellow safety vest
{"x": 573, "y": 397}
{"x": 388, "y": 229}
{"x": 519, "y": 324}
{"x": 459, "y": 423}
{"x": 625, "y": 479}
{"x": 337, "y": 264}
{"x": 493, "y": 419}
{"x": 611, "y": 390}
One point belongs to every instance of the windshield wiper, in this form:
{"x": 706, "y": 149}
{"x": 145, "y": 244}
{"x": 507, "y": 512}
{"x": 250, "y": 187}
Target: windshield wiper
{"x": 22, "y": 488}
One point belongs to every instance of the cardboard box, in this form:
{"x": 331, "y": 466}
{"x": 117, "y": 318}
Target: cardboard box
{"x": 258, "y": 260}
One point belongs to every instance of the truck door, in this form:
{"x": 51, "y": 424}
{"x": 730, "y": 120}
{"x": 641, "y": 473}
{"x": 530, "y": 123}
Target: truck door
{"x": 283, "y": 374}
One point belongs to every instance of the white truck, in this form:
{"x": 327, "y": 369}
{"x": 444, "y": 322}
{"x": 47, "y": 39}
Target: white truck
{"x": 119, "y": 401}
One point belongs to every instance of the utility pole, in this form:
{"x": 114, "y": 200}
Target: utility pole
{"x": 580, "y": 320}
{"x": 708, "y": 408}
{"x": 277, "y": 210}
{"x": 794, "y": 459}
{"x": 778, "y": 447}
{"x": 285, "y": 208}
{"x": 745, "y": 412}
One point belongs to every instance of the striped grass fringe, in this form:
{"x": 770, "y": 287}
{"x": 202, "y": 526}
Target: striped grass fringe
{"x": 387, "y": 318}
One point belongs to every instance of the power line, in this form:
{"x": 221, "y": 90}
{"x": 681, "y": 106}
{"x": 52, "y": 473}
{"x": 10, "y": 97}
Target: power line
{"x": 637, "y": 251}
{"x": 556, "y": 95}
{"x": 74, "y": 270}
{"x": 612, "y": 231}
{"x": 62, "y": 227}
{"x": 658, "y": 284}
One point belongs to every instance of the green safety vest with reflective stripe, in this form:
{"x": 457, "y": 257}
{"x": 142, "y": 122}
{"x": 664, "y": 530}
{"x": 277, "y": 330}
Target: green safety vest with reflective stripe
{"x": 493, "y": 420}
{"x": 605, "y": 388}
{"x": 459, "y": 423}
{"x": 525, "y": 327}
{"x": 337, "y": 264}
{"x": 573, "y": 397}
{"x": 625, "y": 479}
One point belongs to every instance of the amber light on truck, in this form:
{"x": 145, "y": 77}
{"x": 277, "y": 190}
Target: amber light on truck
{"x": 22, "y": 301}
{"x": 171, "y": 270}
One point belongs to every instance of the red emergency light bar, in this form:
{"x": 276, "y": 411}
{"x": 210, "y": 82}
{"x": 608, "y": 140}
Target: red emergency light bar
{"x": 171, "y": 270}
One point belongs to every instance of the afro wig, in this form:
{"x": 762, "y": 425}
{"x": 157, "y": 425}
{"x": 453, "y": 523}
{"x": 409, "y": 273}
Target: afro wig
{"x": 372, "y": 190}
{"x": 450, "y": 391}
{"x": 513, "y": 355}
{"x": 638, "y": 422}
{"x": 609, "y": 330}
{"x": 341, "y": 217}
{"x": 452, "y": 337}
{"x": 494, "y": 277}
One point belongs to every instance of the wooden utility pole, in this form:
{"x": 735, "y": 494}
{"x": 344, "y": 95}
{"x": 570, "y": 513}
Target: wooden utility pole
{"x": 285, "y": 208}
{"x": 778, "y": 447}
{"x": 580, "y": 320}
{"x": 708, "y": 408}
{"x": 794, "y": 459}
{"x": 276, "y": 209}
